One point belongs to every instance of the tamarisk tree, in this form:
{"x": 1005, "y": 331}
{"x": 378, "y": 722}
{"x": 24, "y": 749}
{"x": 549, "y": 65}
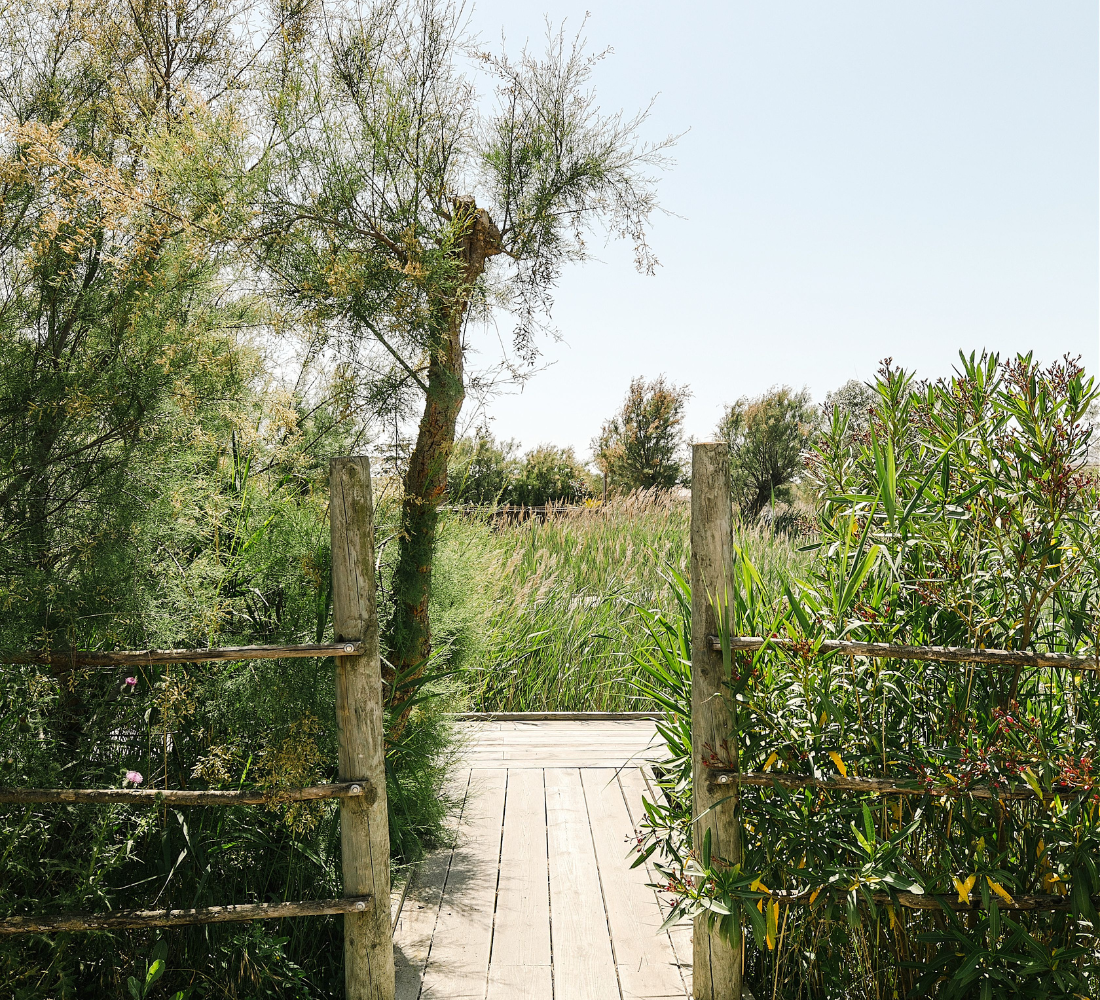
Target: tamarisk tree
{"x": 403, "y": 199}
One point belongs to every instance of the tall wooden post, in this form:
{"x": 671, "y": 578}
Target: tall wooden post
{"x": 364, "y": 823}
{"x": 716, "y": 968}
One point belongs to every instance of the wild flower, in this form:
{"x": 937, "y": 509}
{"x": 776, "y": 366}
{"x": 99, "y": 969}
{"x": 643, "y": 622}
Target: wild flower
{"x": 133, "y": 778}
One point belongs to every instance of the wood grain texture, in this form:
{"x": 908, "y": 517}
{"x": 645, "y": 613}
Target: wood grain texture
{"x": 364, "y": 827}
{"x": 716, "y": 966}
{"x": 646, "y": 965}
{"x": 520, "y": 963}
{"x": 458, "y": 964}
{"x": 638, "y": 783}
{"x": 584, "y": 965}
{"x": 416, "y": 923}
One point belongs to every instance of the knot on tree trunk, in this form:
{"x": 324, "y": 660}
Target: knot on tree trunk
{"x": 480, "y": 238}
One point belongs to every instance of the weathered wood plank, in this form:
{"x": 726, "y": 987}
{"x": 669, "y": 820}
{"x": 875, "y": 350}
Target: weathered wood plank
{"x": 717, "y": 966}
{"x": 364, "y": 826}
{"x": 637, "y": 782}
{"x": 458, "y": 964}
{"x": 415, "y": 926}
{"x": 584, "y": 965}
{"x": 521, "y": 982}
{"x": 520, "y": 963}
{"x": 646, "y": 964}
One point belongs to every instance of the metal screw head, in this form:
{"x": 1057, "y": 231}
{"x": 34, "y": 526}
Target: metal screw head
{"x": 723, "y": 779}
{"x": 356, "y": 790}
{"x": 360, "y": 905}
{"x": 349, "y": 647}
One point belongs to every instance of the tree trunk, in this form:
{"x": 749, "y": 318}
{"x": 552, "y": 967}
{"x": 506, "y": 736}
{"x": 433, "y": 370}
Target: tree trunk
{"x": 409, "y": 633}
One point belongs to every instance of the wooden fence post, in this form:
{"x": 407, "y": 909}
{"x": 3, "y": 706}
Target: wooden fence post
{"x": 716, "y": 967}
{"x": 364, "y": 825}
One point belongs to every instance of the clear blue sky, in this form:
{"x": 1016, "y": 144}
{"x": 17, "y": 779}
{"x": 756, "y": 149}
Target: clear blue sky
{"x": 860, "y": 179}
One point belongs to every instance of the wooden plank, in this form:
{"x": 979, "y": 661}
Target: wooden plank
{"x": 520, "y": 963}
{"x": 415, "y": 926}
{"x": 633, "y": 781}
{"x": 717, "y": 966}
{"x": 458, "y": 963}
{"x": 644, "y": 957}
{"x": 521, "y": 982}
{"x": 584, "y": 965}
{"x": 364, "y": 826}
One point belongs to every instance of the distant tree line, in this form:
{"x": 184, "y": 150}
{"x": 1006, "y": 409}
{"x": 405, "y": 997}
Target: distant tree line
{"x": 642, "y": 447}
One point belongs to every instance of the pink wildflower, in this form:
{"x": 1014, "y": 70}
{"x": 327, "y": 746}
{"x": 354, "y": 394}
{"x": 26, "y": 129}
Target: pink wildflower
{"x": 134, "y": 778}
{"x": 132, "y": 681}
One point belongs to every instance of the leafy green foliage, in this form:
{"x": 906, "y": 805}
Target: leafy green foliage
{"x": 486, "y": 472}
{"x": 766, "y": 438}
{"x": 640, "y": 447}
{"x": 551, "y": 606}
{"x": 961, "y": 516}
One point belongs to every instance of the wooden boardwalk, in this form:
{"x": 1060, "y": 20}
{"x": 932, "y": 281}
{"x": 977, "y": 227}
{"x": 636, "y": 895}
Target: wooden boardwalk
{"x": 537, "y": 899}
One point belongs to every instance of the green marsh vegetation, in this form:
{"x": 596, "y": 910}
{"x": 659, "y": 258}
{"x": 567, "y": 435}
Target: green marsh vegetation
{"x": 544, "y": 613}
{"x": 962, "y": 513}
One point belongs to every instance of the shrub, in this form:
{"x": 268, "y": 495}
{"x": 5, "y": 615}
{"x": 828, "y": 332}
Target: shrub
{"x": 766, "y": 436}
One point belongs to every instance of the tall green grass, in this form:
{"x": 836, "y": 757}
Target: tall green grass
{"x": 543, "y": 615}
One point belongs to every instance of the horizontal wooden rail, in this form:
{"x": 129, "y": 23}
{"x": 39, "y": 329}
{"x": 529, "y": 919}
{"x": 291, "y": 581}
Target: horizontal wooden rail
{"x": 187, "y": 797}
{"x": 717, "y": 777}
{"x": 178, "y": 918}
{"x": 151, "y": 657}
{"x": 919, "y": 901}
{"x": 937, "y": 654}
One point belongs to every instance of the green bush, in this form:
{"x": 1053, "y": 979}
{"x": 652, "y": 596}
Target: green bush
{"x": 963, "y": 516}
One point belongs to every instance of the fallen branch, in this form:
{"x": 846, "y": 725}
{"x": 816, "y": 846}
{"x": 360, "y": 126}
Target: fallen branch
{"x": 187, "y": 797}
{"x": 176, "y": 918}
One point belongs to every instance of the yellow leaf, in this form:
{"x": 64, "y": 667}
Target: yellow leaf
{"x": 821, "y": 721}
{"x": 773, "y": 924}
{"x": 839, "y": 763}
{"x": 771, "y": 760}
{"x": 965, "y": 887}
{"x": 814, "y": 895}
{"x": 999, "y": 890}
{"x": 758, "y": 886}
{"x": 893, "y": 919}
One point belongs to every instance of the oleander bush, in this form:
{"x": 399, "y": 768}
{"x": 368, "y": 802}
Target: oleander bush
{"x": 963, "y": 514}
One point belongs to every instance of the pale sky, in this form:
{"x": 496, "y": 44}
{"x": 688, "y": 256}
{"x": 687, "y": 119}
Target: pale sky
{"x": 860, "y": 179}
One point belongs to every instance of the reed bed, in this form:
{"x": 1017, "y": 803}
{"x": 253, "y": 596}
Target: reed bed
{"x": 549, "y": 617}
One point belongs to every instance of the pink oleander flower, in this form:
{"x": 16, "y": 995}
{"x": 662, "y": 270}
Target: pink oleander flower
{"x": 133, "y": 778}
{"x": 132, "y": 681}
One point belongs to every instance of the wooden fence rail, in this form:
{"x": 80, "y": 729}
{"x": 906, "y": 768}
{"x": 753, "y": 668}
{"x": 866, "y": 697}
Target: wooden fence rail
{"x": 130, "y": 919}
{"x": 725, "y": 777}
{"x": 361, "y": 788}
{"x": 935, "y": 654}
{"x": 189, "y": 797}
{"x": 153, "y": 657}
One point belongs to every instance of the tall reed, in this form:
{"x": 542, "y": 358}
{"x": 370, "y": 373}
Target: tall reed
{"x": 552, "y": 606}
